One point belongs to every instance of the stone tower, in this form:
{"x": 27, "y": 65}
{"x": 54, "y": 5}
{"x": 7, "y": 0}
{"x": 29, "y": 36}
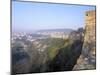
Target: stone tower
{"x": 87, "y": 59}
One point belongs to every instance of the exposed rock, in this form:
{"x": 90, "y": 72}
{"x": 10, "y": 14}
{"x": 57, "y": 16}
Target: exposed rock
{"x": 87, "y": 60}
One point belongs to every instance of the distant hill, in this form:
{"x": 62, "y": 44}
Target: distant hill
{"x": 56, "y": 30}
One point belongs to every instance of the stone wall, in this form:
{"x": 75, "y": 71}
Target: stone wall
{"x": 87, "y": 59}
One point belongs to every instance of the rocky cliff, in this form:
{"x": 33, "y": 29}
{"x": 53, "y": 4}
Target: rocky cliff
{"x": 87, "y": 59}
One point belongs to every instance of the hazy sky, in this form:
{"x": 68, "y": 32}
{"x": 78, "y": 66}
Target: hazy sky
{"x": 30, "y": 16}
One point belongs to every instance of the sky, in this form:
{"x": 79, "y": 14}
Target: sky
{"x": 31, "y": 16}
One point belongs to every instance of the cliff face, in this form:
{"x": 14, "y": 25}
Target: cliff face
{"x": 87, "y": 59}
